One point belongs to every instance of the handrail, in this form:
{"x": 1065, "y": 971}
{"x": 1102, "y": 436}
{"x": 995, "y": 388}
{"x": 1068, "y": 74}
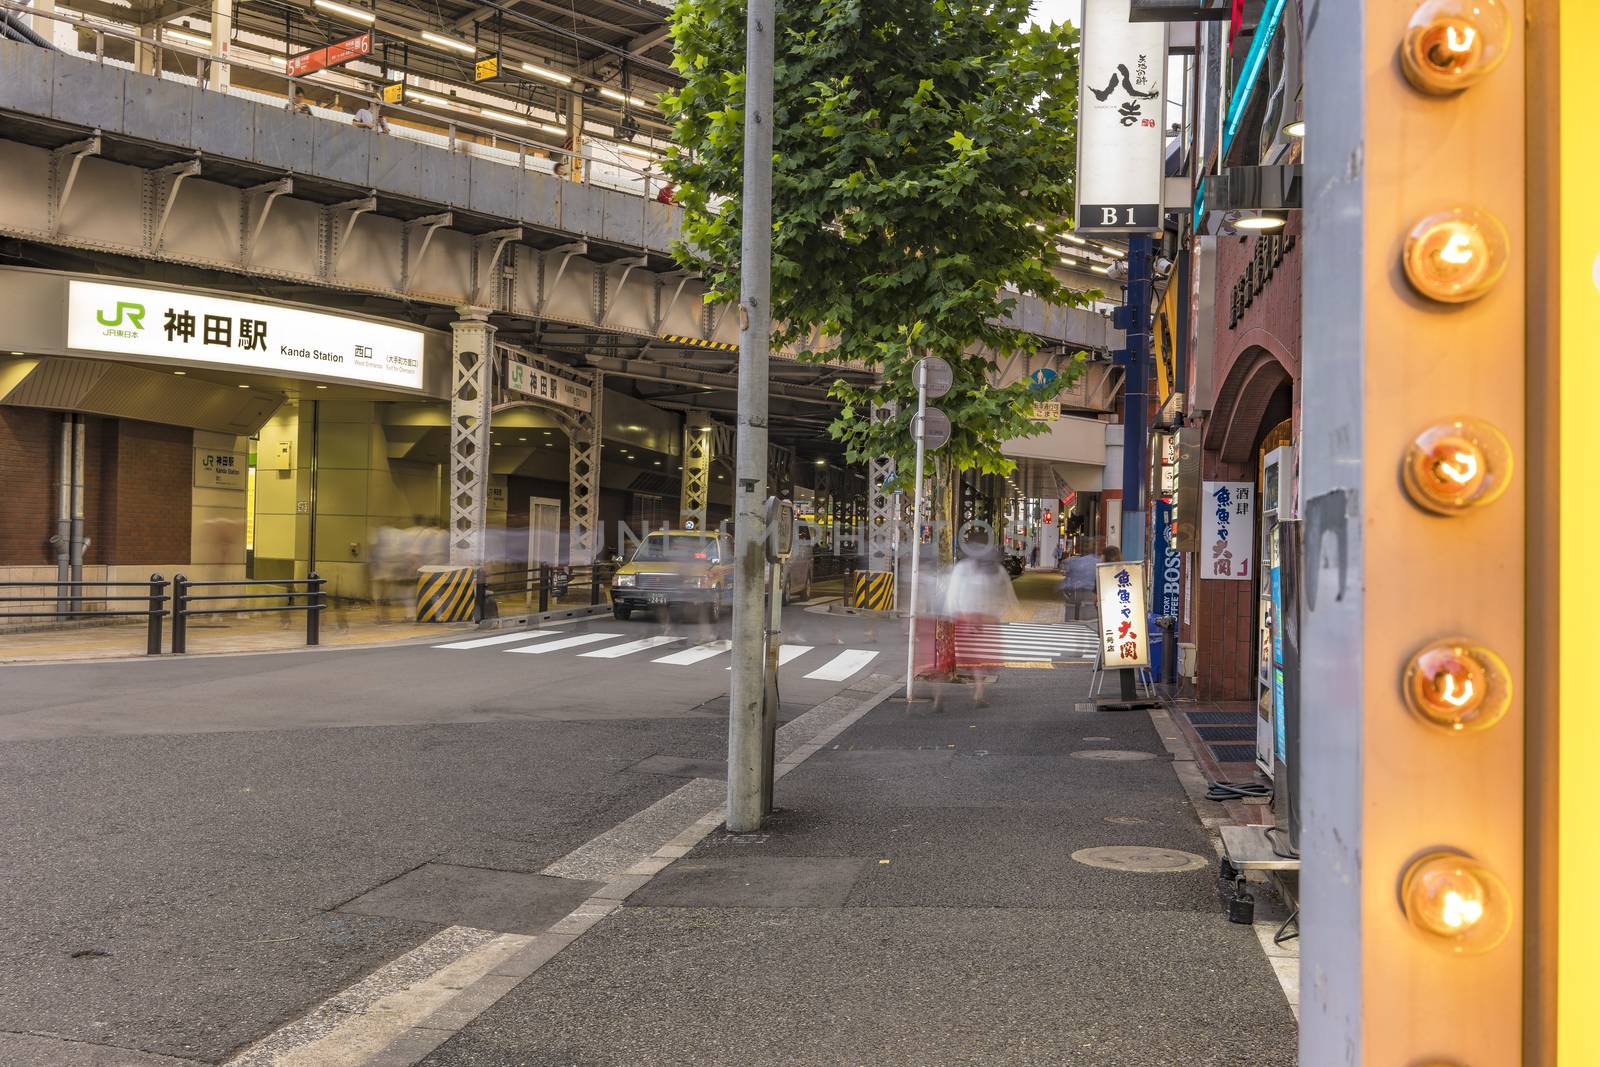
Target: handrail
{"x": 101, "y": 30}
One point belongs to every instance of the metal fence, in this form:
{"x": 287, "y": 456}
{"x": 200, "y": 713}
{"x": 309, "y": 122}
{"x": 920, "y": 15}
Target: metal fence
{"x": 297, "y": 594}
{"x": 80, "y": 600}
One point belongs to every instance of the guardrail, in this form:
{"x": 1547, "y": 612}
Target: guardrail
{"x": 548, "y": 583}
{"x": 460, "y": 135}
{"x": 310, "y": 588}
{"x": 70, "y": 599}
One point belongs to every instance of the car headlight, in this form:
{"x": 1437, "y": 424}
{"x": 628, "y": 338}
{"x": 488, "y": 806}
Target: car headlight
{"x": 625, "y": 581}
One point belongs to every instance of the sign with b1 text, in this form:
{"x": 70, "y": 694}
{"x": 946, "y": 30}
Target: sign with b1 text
{"x": 1227, "y": 531}
{"x": 164, "y": 324}
{"x": 1122, "y": 71}
{"x": 1119, "y": 593}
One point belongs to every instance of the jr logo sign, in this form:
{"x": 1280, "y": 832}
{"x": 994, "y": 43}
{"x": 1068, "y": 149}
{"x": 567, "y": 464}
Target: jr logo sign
{"x": 133, "y": 313}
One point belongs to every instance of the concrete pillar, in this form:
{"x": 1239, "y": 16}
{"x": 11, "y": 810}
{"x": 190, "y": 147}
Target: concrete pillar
{"x": 697, "y": 457}
{"x": 1379, "y": 786}
{"x": 471, "y": 394}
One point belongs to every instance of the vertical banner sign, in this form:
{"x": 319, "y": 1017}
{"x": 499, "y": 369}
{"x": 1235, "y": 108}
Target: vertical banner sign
{"x": 1119, "y": 592}
{"x": 1168, "y": 574}
{"x": 1122, "y": 70}
{"x": 1227, "y": 530}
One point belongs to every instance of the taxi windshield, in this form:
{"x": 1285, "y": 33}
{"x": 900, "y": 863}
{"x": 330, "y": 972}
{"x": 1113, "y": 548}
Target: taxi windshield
{"x": 677, "y": 548}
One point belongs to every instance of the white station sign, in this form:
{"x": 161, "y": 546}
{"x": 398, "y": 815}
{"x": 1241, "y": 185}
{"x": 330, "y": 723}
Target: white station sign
{"x": 1122, "y": 72}
{"x": 197, "y": 328}
{"x": 1119, "y": 593}
{"x": 531, "y": 381}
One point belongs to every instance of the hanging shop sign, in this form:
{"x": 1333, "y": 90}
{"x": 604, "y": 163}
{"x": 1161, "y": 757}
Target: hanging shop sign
{"x": 1227, "y": 530}
{"x": 163, "y": 324}
{"x": 1168, "y": 573}
{"x": 1121, "y": 113}
{"x": 531, "y": 381}
{"x": 1119, "y": 589}
{"x": 219, "y": 470}
{"x": 329, "y": 56}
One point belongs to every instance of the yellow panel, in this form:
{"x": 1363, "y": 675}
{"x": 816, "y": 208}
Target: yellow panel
{"x": 1578, "y": 983}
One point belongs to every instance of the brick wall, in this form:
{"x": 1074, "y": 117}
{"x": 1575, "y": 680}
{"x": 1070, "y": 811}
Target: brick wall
{"x": 147, "y": 491}
{"x": 28, "y": 447}
{"x": 137, "y": 494}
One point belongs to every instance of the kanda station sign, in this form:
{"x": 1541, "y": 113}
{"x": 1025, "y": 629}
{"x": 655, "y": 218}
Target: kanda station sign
{"x": 1122, "y": 71}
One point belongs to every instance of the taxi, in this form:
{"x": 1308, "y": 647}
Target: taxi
{"x": 676, "y": 570}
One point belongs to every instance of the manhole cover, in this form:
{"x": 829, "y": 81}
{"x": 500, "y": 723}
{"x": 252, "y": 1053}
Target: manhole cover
{"x": 1139, "y": 858}
{"x": 1117, "y": 754}
{"x": 1126, "y": 820}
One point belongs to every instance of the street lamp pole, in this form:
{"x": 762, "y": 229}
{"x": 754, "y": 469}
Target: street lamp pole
{"x": 746, "y": 761}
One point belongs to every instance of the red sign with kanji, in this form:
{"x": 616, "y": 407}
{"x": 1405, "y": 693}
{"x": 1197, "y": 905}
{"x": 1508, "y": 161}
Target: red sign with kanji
{"x": 329, "y": 56}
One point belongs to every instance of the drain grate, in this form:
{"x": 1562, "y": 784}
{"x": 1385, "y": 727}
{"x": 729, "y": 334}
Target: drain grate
{"x": 1221, "y": 718}
{"x": 1234, "y": 753}
{"x": 1226, "y": 733}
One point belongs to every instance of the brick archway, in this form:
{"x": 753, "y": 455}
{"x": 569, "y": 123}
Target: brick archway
{"x": 1254, "y": 378}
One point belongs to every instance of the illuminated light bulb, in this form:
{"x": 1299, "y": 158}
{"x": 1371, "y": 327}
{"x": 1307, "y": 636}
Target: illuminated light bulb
{"x": 1456, "y": 465}
{"x": 1452, "y": 44}
{"x": 1457, "y": 685}
{"x": 1456, "y": 902}
{"x": 1457, "y": 255}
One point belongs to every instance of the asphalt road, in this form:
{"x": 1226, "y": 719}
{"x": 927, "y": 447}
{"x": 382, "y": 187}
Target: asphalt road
{"x": 183, "y": 833}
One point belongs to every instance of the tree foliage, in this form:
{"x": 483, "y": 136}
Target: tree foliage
{"x": 922, "y": 171}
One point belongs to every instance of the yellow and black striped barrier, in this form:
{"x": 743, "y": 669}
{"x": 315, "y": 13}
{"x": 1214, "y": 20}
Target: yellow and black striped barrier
{"x": 874, "y": 590}
{"x": 446, "y": 594}
{"x": 700, "y": 342}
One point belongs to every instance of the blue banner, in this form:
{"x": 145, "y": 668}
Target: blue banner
{"x": 1167, "y": 574}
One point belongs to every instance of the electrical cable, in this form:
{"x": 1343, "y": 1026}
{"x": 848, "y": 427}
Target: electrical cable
{"x": 1237, "y": 791}
{"x": 1283, "y": 853}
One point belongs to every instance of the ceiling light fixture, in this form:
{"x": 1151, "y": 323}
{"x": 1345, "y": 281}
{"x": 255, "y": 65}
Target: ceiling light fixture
{"x": 348, "y": 12}
{"x": 447, "y": 42}
{"x": 504, "y": 116}
{"x": 1260, "y": 222}
{"x": 1295, "y": 129}
{"x": 186, "y": 38}
{"x": 1108, "y": 250}
{"x": 623, "y": 98}
{"x": 1075, "y": 239}
{"x": 547, "y": 74}
{"x": 429, "y": 98}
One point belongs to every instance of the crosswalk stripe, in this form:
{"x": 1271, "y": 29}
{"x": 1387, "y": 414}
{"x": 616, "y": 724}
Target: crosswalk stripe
{"x": 500, "y": 639}
{"x": 628, "y": 648}
{"x": 569, "y": 642}
{"x": 787, "y": 653}
{"x": 697, "y": 653}
{"x": 844, "y": 665}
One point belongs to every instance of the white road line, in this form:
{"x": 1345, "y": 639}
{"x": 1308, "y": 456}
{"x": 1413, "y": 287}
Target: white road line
{"x": 786, "y": 653}
{"x": 696, "y": 654}
{"x": 844, "y": 665}
{"x": 500, "y": 639}
{"x": 630, "y": 647}
{"x": 568, "y": 642}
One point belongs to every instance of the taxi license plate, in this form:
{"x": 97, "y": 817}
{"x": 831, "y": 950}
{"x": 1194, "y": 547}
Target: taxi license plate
{"x": 656, "y": 598}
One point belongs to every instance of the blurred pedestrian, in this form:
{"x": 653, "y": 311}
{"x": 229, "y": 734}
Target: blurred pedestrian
{"x": 978, "y": 596}
{"x": 1078, "y": 585}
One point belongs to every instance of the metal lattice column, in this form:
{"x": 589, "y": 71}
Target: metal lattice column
{"x": 780, "y": 472}
{"x": 881, "y": 515}
{"x": 697, "y": 456}
{"x": 583, "y": 477}
{"x": 472, "y": 343}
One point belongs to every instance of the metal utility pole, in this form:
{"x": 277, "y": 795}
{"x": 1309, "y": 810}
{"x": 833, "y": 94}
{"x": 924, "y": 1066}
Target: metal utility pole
{"x": 916, "y": 527}
{"x": 1135, "y": 316}
{"x": 746, "y": 759}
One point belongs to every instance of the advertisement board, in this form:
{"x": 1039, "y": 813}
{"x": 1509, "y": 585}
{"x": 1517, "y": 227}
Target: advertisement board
{"x": 1167, "y": 572}
{"x": 1122, "y": 72}
{"x": 1227, "y": 531}
{"x": 1119, "y": 595}
{"x": 163, "y": 324}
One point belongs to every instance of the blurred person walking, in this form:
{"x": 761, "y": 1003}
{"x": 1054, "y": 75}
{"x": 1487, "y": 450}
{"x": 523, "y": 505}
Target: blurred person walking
{"x": 978, "y": 595}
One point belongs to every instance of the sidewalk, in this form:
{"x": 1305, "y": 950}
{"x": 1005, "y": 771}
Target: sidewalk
{"x": 922, "y": 898}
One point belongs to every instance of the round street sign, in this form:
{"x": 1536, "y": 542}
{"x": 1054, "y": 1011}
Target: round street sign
{"x": 934, "y": 375}
{"x": 1041, "y": 378}
{"x": 932, "y": 429}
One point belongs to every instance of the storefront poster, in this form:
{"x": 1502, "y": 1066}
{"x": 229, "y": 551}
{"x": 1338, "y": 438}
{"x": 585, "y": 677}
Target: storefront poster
{"x": 1119, "y": 589}
{"x": 219, "y": 470}
{"x": 1227, "y": 531}
{"x": 164, "y": 324}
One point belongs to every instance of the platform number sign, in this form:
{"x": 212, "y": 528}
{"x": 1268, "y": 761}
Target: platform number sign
{"x": 1122, "y": 114}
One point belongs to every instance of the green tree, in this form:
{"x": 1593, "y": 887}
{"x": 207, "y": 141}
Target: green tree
{"x": 922, "y": 174}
